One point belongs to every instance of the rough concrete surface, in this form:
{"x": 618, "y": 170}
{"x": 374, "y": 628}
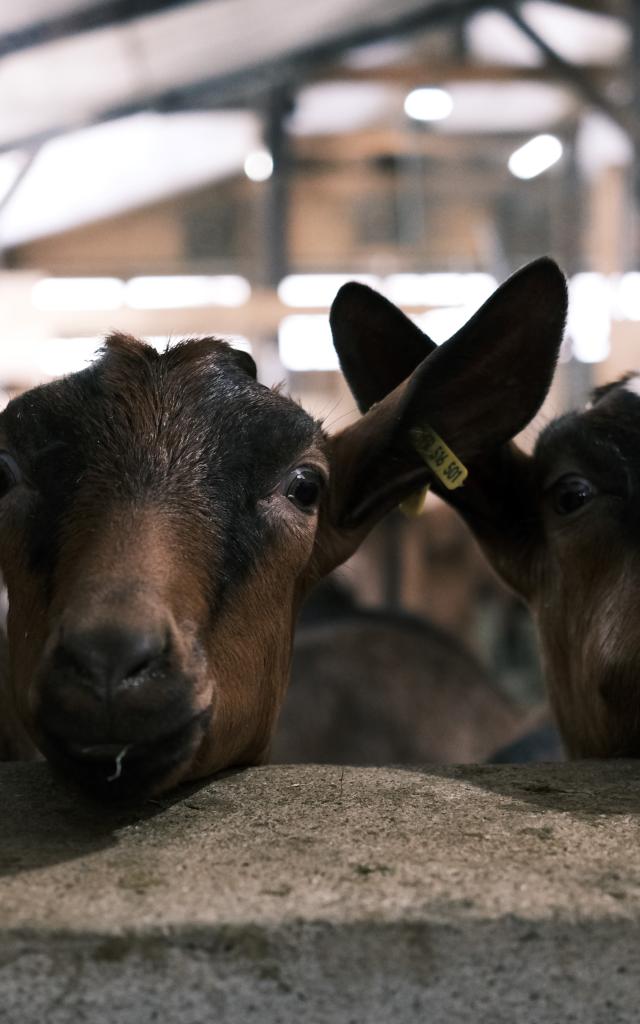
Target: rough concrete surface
{"x": 306, "y": 894}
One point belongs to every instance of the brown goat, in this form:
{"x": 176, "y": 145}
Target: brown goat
{"x": 384, "y": 687}
{"x": 163, "y": 515}
{"x": 560, "y": 527}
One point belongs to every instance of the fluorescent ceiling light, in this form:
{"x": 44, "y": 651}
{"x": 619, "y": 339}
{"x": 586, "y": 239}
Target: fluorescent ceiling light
{"x": 186, "y": 292}
{"x": 38, "y": 359}
{"x": 428, "y": 104}
{"x": 317, "y": 289}
{"x": 56, "y": 357}
{"x": 77, "y": 293}
{"x": 258, "y": 165}
{"x": 439, "y": 289}
{"x": 589, "y": 320}
{"x": 442, "y": 324}
{"x": 628, "y": 297}
{"x": 305, "y": 343}
{"x": 535, "y": 156}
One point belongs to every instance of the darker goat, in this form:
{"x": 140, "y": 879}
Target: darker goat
{"x": 163, "y": 515}
{"x": 560, "y": 526}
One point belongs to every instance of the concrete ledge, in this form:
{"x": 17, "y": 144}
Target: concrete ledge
{"x": 440, "y": 895}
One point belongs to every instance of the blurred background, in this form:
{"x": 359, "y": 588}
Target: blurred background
{"x": 173, "y": 168}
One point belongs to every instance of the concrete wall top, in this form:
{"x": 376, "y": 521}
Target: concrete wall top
{"x": 468, "y": 893}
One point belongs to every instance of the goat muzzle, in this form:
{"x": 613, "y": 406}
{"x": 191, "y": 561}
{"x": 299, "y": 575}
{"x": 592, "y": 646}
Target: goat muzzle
{"x": 115, "y": 708}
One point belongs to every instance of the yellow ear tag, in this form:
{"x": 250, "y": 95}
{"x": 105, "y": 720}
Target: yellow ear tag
{"x": 439, "y": 458}
{"x": 416, "y": 503}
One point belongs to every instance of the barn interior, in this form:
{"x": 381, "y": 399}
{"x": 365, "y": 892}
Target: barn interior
{"x": 221, "y": 167}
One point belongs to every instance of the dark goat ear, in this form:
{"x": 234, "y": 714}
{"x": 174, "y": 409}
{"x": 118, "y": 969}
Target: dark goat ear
{"x": 377, "y": 345}
{"x": 247, "y": 362}
{"x": 476, "y": 391}
{"x": 487, "y": 382}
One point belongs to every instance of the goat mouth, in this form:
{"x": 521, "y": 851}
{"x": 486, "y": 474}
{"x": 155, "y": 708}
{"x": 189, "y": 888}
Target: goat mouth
{"x": 100, "y": 751}
{"x": 125, "y": 770}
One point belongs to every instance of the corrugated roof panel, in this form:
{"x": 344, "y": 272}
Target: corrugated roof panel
{"x": 59, "y": 85}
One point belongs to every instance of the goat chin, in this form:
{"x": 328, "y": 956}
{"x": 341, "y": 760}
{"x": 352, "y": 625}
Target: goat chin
{"x": 117, "y": 771}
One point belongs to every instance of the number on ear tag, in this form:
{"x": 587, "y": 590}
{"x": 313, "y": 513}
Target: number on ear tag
{"x": 439, "y": 458}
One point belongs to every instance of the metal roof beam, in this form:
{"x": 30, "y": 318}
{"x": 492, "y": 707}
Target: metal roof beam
{"x": 575, "y": 76}
{"x": 87, "y": 19}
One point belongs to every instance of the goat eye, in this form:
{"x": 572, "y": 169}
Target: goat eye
{"x": 303, "y": 487}
{"x": 570, "y": 493}
{"x": 10, "y": 474}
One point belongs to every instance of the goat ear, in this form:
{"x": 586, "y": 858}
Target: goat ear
{"x": 246, "y": 361}
{"x": 476, "y": 391}
{"x": 378, "y": 346}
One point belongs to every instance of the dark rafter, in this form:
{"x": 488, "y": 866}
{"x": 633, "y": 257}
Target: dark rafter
{"x": 575, "y": 76}
{"x": 86, "y": 19}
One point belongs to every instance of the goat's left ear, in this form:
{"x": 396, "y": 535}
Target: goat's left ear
{"x": 377, "y": 345}
{"x": 476, "y": 392}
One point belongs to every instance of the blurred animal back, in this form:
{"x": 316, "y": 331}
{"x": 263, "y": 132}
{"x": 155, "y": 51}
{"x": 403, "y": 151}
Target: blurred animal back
{"x": 384, "y": 687}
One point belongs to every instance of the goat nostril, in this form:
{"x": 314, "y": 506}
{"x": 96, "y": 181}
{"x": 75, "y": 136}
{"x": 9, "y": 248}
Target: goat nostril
{"x": 110, "y": 654}
{"x": 144, "y": 654}
{"x": 137, "y": 669}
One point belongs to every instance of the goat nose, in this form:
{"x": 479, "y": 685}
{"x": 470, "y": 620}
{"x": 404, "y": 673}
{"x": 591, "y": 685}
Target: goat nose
{"x": 110, "y": 655}
{"x": 112, "y": 684}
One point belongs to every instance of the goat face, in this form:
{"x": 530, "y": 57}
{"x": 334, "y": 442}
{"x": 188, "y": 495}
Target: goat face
{"x": 562, "y": 527}
{"x": 584, "y": 570}
{"x": 157, "y": 520}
